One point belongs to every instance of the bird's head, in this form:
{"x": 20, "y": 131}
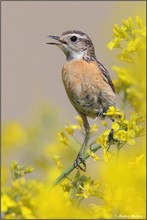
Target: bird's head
{"x": 75, "y": 45}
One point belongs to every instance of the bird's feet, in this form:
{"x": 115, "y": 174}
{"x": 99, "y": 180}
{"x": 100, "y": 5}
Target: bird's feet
{"x": 80, "y": 162}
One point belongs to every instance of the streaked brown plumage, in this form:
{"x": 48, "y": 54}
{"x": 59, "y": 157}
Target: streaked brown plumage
{"x": 87, "y": 82}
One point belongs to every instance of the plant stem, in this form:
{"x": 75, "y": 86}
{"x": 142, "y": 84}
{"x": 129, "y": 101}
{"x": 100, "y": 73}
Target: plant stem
{"x": 71, "y": 168}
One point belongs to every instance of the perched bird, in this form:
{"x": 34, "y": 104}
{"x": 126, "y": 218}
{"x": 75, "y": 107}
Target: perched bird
{"x": 87, "y": 82}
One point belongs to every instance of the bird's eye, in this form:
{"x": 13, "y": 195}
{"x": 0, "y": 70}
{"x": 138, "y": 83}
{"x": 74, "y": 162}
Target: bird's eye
{"x": 73, "y": 38}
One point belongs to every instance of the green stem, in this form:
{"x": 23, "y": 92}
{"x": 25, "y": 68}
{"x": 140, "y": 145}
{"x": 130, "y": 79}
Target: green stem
{"x": 71, "y": 168}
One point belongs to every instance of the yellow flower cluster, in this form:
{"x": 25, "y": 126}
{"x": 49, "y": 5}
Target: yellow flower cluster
{"x": 117, "y": 192}
{"x": 130, "y": 38}
{"x": 69, "y": 130}
{"x": 121, "y": 187}
{"x": 89, "y": 188}
{"x": 18, "y": 171}
{"x": 124, "y": 130}
{"x": 68, "y": 134}
{"x": 18, "y": 201}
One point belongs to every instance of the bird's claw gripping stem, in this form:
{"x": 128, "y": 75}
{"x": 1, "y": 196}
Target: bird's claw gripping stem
{"x": 78, "y": 161}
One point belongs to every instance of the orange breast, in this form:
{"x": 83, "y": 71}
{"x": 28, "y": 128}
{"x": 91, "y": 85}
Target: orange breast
{"x": 81, "y": 75}
{"x": 86, "y": 88}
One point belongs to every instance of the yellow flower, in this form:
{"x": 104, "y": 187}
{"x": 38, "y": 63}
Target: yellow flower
{"x": 139, "y": 21}
{"x": 119, "y": 32}
{"x": 57, "y": 161}
{"x": 107, "y": 155}
{"x": 93, "y": 155}
{"x": 89, "y": 189}
{"x": 141, "y": 32}
{"x": 133, "y": 124}
{"x": 115, "y": 126}
{"x": 125, "y": 56}
{"x": 135, "y": 45}
{"x": 18, "y": 171}
{"x": 114, "y": 112}
{"x": 104, "y": 123}
{"x": 71, "y": 128}
{"x": 63, "y": 138}
{"x": 136, "y": 117}
{"x": 125, "y": 136}
{"x": 7, "y": 203}
{"x": 27, "y": 212}
{"x": 103, "y": 139}
{"x": 128, "y": 38}
{"x": 18, "y": 183}
{"x": 124, "y": 76}
{"x": 114, "y": 44}
{"x": 121, "y": 135}
{"x": 79, "y": 120}
{"x": 137, "y": 160}
{"x": 128, "y": 23}
{"x": 93, "y": 128}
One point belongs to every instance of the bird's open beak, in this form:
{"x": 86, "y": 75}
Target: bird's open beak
{"x": 56, "y": 38}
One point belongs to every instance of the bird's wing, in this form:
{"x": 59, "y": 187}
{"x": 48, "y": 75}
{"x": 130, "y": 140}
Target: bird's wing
{"x": 106, "y": 75}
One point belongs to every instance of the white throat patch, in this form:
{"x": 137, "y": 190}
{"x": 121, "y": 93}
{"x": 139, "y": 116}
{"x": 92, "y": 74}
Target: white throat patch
{"x": 76, "y": 55}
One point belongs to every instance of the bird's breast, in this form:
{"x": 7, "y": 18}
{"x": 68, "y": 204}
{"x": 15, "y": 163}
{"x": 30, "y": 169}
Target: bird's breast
{"x": 79, "y": 76}
{"x": 85, "y": 86}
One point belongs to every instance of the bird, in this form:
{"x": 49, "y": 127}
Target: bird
{"x": 87, "y": 82}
